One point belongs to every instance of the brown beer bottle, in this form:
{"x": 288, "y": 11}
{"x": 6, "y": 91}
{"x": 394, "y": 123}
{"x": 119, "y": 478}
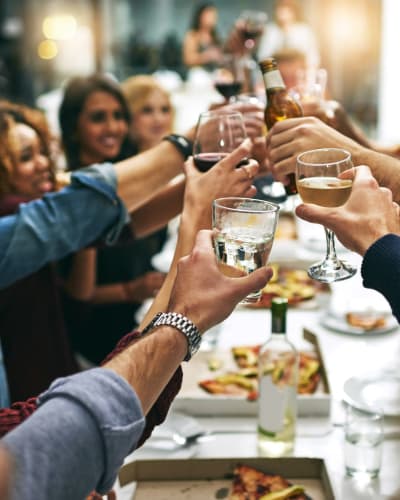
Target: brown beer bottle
{"x": 280, "y": 104}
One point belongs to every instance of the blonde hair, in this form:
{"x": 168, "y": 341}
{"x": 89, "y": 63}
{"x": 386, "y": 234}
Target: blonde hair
{"x": 137, "y": 89}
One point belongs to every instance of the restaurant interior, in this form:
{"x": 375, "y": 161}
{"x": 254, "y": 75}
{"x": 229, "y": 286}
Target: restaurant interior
{"x": 299, "y": 379}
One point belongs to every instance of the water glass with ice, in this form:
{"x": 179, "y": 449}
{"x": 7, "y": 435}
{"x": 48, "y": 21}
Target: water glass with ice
{"x": 363, "y": 442}
{"x": 243, "y": 233}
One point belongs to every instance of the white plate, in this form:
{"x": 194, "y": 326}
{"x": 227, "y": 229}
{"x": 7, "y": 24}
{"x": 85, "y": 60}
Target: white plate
{"x": 379, "y": 390}
{"x": 339, "y": 324}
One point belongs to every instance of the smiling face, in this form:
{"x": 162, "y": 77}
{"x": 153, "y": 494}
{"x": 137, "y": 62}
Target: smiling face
{"x": 31, "y": 175}
{"x": 152, "y": 120}
{"x": 101, "y": 128}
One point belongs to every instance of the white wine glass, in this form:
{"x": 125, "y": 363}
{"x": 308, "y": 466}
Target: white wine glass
{"x": 318, "y": 181}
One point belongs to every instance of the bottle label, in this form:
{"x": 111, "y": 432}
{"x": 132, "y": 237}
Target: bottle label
{"x": 273, "y": 79}
{"x": 274, "y": 404}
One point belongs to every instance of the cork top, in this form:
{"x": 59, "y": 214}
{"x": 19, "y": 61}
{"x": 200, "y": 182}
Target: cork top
{"x": 268, "y": 64}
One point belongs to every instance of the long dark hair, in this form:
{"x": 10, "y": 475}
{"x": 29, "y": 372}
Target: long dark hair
{"x": 76, "y": 92}
{"x": 197, "y": 16}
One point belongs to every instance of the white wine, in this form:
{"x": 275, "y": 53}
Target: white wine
{"x": 278, "y": 376}
{"x": 324, "y": 191}
{"x": 243, "y": 249}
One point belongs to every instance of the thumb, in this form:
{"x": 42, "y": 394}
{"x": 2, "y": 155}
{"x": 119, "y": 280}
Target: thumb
{"x": 252, "y": 282}
{"x": 314, "y": 213}
{"x": 189, "y": 168}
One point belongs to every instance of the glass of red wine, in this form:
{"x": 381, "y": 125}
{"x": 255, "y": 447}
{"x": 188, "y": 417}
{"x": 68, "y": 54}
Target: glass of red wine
{"x": 229, "y": 76}
{"x": 218, "y": 133}
{"x": 253, "y": 24}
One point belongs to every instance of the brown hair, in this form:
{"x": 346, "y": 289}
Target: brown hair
{"x": 10, "y": 115}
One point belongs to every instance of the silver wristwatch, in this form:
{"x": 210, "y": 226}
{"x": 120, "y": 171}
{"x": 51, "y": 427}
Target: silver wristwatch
{"x": 181, "y": 323}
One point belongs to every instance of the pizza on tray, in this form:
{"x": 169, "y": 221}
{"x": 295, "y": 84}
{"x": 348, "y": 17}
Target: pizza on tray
{"x": 293, "y": 284}
{"x": 252, "y": 484}
{"x": 244, "y": 381}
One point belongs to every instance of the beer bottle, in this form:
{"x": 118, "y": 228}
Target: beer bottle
{"x": 280, "y": 104}
{"x": 278, "y": 378}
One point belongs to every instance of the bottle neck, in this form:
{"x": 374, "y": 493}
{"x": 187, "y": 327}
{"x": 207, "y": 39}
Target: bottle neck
{"x": 273, "y": 79}
{"x": 278, "y": 325}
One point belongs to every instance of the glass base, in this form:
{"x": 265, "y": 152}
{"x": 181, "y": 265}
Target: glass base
{"x": 251, "y": 298}
{"x": 329, "y": 271}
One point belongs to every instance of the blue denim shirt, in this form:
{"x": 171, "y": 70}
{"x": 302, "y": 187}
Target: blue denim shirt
{"x": 49, "y": 228}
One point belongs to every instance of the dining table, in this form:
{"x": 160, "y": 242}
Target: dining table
{"x": 345, "y": 355}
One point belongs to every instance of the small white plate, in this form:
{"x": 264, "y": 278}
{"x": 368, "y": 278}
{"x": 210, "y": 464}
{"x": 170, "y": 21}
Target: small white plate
{"x": 339, "y": 324}
{"x": 379, "y": 390}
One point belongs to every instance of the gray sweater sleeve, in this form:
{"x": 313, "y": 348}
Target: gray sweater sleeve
{"x": 77, "y": 439}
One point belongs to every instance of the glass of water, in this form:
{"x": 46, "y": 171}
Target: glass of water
{"x": 243, "y": 233}
{"x": 363, "y": 442}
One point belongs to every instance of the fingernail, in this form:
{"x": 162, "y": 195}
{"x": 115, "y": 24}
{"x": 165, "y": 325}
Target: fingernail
{"x": 247, "y": 143}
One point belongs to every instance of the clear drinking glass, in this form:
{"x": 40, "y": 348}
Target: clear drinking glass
{"x": 364, "y": 435}
{"x": 243, "y": 233}
{"x": 318, "y": 181}
{"x": 218, "y": 134}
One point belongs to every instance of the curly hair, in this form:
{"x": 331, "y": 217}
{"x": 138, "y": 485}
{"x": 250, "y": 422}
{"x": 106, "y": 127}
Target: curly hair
{"x": 75, "y": 95}
{"x": 10, "y": 115}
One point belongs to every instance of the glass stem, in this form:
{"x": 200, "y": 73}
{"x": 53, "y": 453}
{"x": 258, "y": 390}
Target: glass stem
{"x": 330, "y": 245}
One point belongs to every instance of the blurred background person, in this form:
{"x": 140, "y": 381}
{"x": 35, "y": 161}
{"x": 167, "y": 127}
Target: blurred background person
{"x": 104, "y": 286}
{"x": 201, "y": 44}
{"x": 152, "y": 114}
{"x": 34, "y": 340}
{"x": 288, "y": 31}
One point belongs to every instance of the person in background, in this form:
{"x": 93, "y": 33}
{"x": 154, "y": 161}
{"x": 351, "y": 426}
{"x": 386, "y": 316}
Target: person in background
{"x": 288, "y": 31}
{"x": 104, "y": 286}
{"x": 95, "y": 454}
{"x": 34, "y": 341}
{"x": 151, "y": 110}
{"x": 201, "y": 45}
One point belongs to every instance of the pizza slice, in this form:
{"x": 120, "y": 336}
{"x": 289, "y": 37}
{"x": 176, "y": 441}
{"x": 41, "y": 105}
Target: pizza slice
{"x": 252, "y": 484}
{"x": 246, "y": 356}
{"x": 366, "y": 321}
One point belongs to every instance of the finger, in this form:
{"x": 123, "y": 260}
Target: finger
{"x": 252, "y": 282}
{"x": 359, "y": 172}
{"x": 387, "y": 193}
{"x": 242, "y": 151}
{"x": 251, "y": 192}
{"x": 190, "y": 169}
{"x": 250, "y": 170}
{"x": 276, "y": 137}
{"x": 315, "y": 213}
{"x": 283, "y": 168}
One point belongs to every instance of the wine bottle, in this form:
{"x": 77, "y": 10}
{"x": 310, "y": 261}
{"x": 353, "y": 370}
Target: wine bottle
{"x": 280, "y": 104}
{"x": 278, "y": 376}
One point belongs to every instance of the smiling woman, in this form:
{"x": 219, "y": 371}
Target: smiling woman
{"x": 35, "y": 347}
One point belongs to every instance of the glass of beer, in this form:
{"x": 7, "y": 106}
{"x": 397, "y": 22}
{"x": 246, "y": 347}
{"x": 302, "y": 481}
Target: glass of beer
{"x": 243, "y": 233}
{"x": 318, "y": 181}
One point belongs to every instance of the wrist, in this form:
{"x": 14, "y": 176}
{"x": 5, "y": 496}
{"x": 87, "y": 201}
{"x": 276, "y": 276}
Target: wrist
{"x": 183, "y": 145}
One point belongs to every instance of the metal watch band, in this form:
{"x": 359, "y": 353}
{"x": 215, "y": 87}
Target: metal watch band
{"x": 181, "y": 323}
{"x": 183, "y": 144}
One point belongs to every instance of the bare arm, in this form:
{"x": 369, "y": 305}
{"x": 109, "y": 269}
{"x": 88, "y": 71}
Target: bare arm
{"x": 81, "y": 280}
{"x": 211, "y": 299}
{"x": 289, "y": 138}
{"x": 224, "y": 179}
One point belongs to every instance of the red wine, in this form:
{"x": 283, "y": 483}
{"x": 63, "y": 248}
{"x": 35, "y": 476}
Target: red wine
{"x": 228, "y": 89}
{"x": 204, "y": 161}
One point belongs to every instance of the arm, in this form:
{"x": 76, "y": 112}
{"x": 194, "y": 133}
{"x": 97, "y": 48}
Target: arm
{"x": 81, "y": 280}
{"x": 289, "y": 138}
{"x": 224, "y": 179}
{"x": 369, "y": 224}
{"x": 69, "y": 435}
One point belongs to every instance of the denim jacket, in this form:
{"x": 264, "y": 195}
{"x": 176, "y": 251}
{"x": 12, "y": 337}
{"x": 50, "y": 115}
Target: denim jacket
{"x": 49, "y": 228}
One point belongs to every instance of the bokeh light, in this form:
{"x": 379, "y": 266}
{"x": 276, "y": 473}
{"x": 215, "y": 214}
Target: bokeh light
{"x": 59, "y": 27}
{"x": 47, "y": 49}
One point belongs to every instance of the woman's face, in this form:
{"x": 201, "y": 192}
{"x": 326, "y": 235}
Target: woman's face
{"x": 152, "y": 121}
{"x": 32, "y": 175}
{"x": 101, "y": 128}
{"x": 209, "y": 18}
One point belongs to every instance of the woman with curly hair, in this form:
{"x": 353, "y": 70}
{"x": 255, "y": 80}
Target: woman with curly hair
{"x": 35, "y": 345}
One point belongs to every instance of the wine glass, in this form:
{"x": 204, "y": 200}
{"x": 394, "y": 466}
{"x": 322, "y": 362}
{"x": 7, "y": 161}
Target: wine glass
{"x": 318, "y": 181}
{"x": 218, "y": 133}
{"x": 229, "y": 76}
{"x": 253, "y": 22}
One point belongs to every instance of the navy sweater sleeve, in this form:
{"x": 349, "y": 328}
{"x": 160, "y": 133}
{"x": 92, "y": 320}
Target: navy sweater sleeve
{"x": 381, "y": 270}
